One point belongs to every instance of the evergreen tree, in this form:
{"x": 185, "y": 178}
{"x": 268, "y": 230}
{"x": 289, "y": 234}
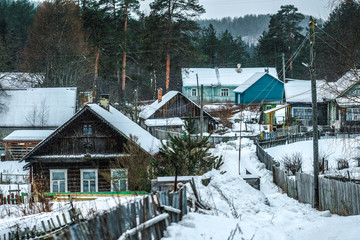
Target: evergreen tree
{"x": 188, "y": 155}
{"x": 284, "y": 36}
{"x": 177, "y": 17}
{"x": 209, "y": 45}
{"x": 15, "y": 19}
{"x": 338, "y": 45}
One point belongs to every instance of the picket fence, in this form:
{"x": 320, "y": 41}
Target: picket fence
{"x": 339, "y": 197}
{"x": 145, "y": 218}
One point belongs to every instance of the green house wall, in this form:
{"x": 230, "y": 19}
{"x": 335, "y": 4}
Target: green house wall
{"x": 211, "y": 93}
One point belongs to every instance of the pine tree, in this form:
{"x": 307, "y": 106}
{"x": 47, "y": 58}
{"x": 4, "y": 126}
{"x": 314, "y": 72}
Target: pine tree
{"x": 338, "y": 46}
{"x": 178, "y": 15}
{"x": 284, "y": 36}
{"x": 188, "y": 155}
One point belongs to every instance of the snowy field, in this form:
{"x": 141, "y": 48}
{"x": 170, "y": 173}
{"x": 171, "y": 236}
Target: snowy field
{"x": 332, "y": 149}
{"x": 246, "y": 215}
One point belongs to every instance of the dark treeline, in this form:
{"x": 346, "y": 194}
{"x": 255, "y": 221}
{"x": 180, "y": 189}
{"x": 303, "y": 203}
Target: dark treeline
{"x": 110, "y": 44}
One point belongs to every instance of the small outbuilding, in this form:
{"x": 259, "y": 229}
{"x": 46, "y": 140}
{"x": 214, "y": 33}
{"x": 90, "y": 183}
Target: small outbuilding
{"x": 171, "y": 108}
{"x": 20, "y": 142}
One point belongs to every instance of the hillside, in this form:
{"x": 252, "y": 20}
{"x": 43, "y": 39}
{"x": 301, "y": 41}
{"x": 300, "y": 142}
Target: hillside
{"x": 249, "y": 27}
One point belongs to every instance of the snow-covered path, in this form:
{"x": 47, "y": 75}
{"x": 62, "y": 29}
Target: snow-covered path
{"x": 285, "y": 218}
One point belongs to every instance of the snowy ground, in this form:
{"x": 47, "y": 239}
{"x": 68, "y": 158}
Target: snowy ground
{"x": 246, "y": 208}
{"x": 238, "y": 210}
{"x": 332, "y": 149}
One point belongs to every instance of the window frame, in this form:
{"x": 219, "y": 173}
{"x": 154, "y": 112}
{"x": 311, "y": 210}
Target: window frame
{"x": 222, "y": 92}
{"x": 352, "y": 113}
{"x": 87, "y": 126}
{"x": 82, "y": 178}
{"x": 191, "y": 92}
{"x": 295, "y": 108}
{"x": 126, "y": 178}
{"x": 51, "y": 179}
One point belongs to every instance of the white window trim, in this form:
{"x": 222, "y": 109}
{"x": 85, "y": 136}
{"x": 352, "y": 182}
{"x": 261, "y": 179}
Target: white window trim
{"x": 228, "y": 92}
{"x": 51, "y": 179}
{"x": 351, "y": 111}
{"x": 127, "y": 179}
{"x": 292, "y": 111}
{"x": 191, "y": 92}
{"x": 96, "y": 178}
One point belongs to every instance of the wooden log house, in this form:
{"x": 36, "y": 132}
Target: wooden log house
{"x": 175, "y": 104}
{"x": 79, "y": 156}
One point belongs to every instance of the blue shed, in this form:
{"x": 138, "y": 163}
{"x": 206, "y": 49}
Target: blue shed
{"x": 260, "y": 87}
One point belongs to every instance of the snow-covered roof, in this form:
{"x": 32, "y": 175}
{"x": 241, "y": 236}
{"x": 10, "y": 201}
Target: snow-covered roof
{"x": 278, "y": 107}
{"x": 149, "y": 110}
{"x": 28, "y": 135}
{"x": 221, "y": 76}
{"x": 164, "y": 122}
{"x": 127, "y": 127}
{"x": 248, "y": 83}
{"x": 37, "y": 107}
{"x": 348, "y": 101}
{"x": 152, "y": 108}
{"x": 13, "y": 80}
{"x": 300, "y": 91}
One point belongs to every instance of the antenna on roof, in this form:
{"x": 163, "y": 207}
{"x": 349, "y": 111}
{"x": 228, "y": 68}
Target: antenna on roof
{"x": 238, "y": 68}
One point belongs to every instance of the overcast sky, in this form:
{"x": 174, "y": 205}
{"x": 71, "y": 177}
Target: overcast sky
{"x": 237, "y": 8}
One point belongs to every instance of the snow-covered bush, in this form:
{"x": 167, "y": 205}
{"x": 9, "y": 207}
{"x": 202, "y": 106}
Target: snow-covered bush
{"x": 292, "y": 163}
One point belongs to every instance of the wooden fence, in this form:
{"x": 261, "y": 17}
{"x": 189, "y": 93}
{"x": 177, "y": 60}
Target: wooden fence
{"x": 11, "y": 199}
{"x": 282, "y": 140}
{"x": 339, "y": 197}
{"x": 146, "y": 218}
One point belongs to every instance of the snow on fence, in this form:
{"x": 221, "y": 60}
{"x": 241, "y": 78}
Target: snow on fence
{"x": 339, "y": 197}
{"x": 282, "y": 140}
{"x": 146, "y": 218}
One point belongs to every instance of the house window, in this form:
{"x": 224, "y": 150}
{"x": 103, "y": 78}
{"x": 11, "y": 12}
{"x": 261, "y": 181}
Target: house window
{"x": 224, "y": 92}
{"x": 352, "y": 114}
{"x": 119, "y": 180}
{"x": 87, "y": 129}
{"x": 302, "y": 112}
{"x": 58, "y": 180}
{"x": 89, "y": 180}
{"x": 194, "y": 92}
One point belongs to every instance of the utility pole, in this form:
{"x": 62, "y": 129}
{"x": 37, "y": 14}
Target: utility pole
{"x": 314, "y": 114}
{"x": 202, "y": 111}
{"x": 198, "y": 90}
{"x": 283, "y": 66}
{"x": 240, "y": 122}
{"x": 283, "y": 70}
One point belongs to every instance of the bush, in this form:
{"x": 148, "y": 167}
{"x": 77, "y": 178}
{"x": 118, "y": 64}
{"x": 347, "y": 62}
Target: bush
{"x": 292, "y": 163}
{"x": 342, "y": 163}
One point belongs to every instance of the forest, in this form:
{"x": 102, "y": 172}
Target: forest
{"x": 112, "y": 47}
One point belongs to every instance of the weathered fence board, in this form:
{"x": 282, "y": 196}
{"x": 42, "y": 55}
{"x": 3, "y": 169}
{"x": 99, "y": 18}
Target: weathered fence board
{"x": 342, "y": 198}
{"x": 143, "y": 219}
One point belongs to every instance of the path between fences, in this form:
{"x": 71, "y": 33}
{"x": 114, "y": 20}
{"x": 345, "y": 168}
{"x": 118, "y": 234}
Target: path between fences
{"x": 341, "y": 198}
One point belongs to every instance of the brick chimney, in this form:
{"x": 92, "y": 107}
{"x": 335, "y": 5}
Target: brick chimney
{"x": 105, "y": 101}
{"x": 159, "y": 94}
